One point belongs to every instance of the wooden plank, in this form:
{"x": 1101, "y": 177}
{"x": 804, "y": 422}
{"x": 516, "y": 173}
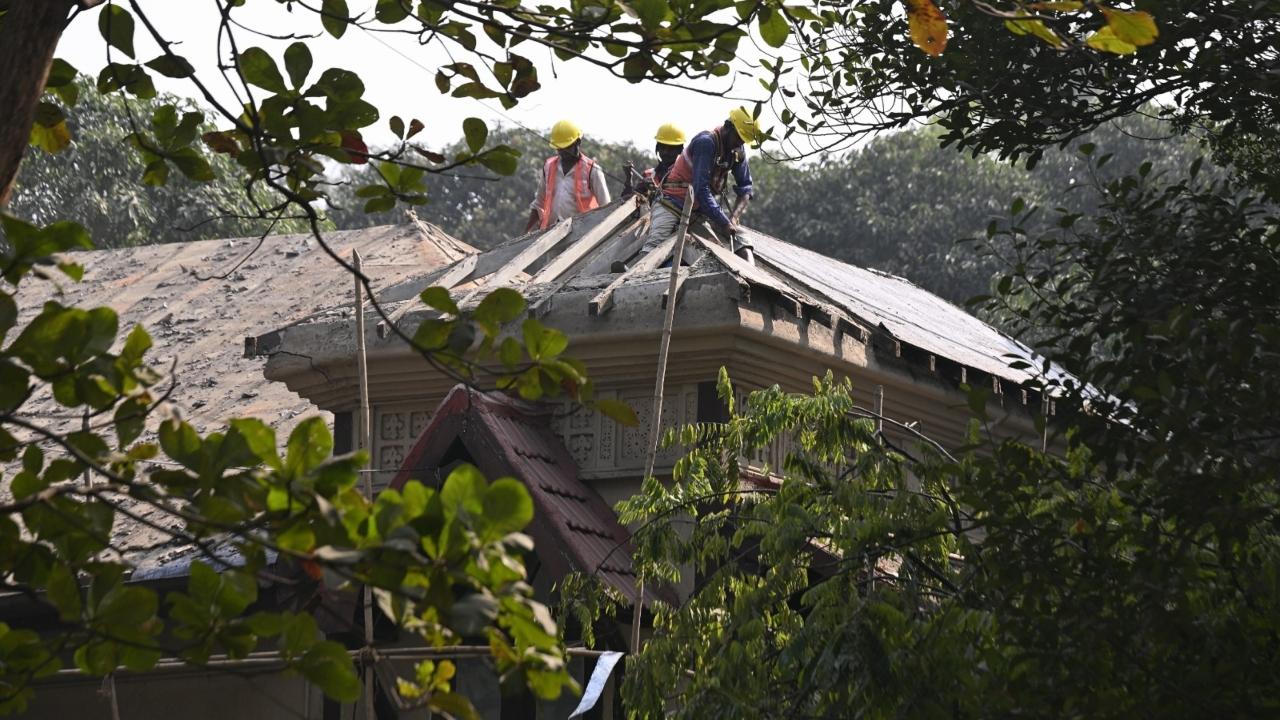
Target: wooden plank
{"x": 584, "y": 245}
{"x": 684, "y": 275}
{"x": 455, "y": 274}
{"x": 601, "y": 303}
{"x": 523, "y": 259}
{"x": 544, "y": 304}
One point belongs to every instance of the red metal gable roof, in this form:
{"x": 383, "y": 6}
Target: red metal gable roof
{"x": 573, "y": 528}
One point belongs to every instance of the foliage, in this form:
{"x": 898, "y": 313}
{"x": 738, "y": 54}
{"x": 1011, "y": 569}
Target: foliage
{"x": 446, "y": 564}
{"x": 1130, "y": 575}
{"x": 1016, "y": 96}
{"x": 98, "y": 182}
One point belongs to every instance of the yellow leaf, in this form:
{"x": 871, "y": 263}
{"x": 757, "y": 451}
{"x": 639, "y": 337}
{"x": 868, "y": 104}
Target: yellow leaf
{"x": 928, "y": 26}
{"x": 1106, "y": 41}
{"x": 1061, "y": 6}
{"x": 1032, "y": 26}
{"x": 1136, "y": 28}
{"x": 51, "y": 139}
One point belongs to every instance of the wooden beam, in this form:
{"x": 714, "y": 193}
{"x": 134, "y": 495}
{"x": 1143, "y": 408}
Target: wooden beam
{"x": 455, "y": 274}
{"x": 584, "y": 245}
{"x": 523, "y": 259}
{"x": 684, "y": 275}
{"x": 544, "y": 304}
{"x": 601, "y": 303}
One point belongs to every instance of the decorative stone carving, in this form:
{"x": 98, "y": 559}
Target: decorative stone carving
{"x": 580, "y": 446}
{"x": 391, "y": 426}
{"x": 417, "y": 423}
{"x": 391, "y": 457}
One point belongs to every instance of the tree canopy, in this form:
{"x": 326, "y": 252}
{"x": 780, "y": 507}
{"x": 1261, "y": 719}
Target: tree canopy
{"x": 1134, "y": 574}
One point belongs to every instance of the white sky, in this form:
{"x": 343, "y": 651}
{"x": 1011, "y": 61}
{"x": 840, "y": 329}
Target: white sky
{"x": 604, "y": 107}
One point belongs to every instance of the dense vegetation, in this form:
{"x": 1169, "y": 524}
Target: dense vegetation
{"x": 1132, "y": 575}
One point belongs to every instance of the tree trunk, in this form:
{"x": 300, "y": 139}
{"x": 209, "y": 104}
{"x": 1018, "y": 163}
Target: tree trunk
{"x": 29, "y": 34}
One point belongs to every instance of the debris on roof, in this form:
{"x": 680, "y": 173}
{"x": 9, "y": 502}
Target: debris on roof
{"x": 576, "y": 253}
{"x": 198, "y": 300}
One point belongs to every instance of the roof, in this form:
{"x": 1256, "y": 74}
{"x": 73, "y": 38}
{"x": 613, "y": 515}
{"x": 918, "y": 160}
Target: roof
{"x": 577, "y": 253}
{"x": 573, "y": 527}
{"x": 197, "y": 319}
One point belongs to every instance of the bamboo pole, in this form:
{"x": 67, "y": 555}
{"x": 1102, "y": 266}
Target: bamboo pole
{"x": 655, "y": 421}
{"x": 364, "y": 440}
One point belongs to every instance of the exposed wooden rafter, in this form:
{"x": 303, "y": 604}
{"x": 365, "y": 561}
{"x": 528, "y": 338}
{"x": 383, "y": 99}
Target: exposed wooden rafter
{"x": 454, "y": 275}
{"x": 601, "y": 303}
{"x": 526, "y": 257}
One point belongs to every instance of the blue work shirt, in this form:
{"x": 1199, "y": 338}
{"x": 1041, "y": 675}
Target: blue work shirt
{"x": 702, "y": 151}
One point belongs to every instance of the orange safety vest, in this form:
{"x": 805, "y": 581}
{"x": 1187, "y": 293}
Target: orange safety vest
{"x": 581, "y": 186}
{"x": 678, "y": 181}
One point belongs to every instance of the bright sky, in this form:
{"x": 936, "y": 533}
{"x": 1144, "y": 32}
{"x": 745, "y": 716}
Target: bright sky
{"x": 604, "y": 106}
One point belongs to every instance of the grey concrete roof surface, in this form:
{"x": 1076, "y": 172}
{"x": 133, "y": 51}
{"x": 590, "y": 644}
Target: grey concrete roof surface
{"x": 200, "y": 319}
{"x": 871, "y": 298}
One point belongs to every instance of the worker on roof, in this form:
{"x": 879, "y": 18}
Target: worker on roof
{"x": 669, "y": 145}
{"x": 701, "y": 169}
{"x": 570, "y": 183}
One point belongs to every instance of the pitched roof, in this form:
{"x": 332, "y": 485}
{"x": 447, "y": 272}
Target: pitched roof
{"x": 198, "y": 319}
{"x": 573, "y": 529}
{"x": 571, "y": 255}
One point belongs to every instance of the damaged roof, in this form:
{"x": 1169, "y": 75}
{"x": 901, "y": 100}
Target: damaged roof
{"x": 198, "y": 300}
{"x": 574, "y": 529}
{"x": 577, "y": 253}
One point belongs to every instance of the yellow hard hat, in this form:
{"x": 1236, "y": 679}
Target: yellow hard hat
{"x": 564, "y": 134}
{"x": 746, "y": 125}
{"x": 669, "y": 134}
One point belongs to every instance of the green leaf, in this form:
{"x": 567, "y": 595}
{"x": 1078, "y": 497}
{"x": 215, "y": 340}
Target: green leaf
{"x": 774, "y": 28}
{"x": 130, "y": 419}
{"x": 650, "y": 12}
{"x": 173, "y": 66}
{"x": 53, "y": 139}
{"x": 260, "y": 69}
{"x": 507, "y": 507}
{"x": 464, "y": 489}
{"x": 1105, "y": 40}
{"x": 392, "y": 11}
{"x": 116, "y": 25}
{"x": 15, "y": 382}
{"x": 8, "y": 313}
{"x": 193, "y": 165}
{"x": 61, "y": 74}
{"x": 297, "y": 62}
{"x": 126, "y": 606}
{"x": 310, "y": 444}
{"x": 476, "y": 132}
{"x": 438, "y": 298}
{"x": 180, "y": 442}
{"x": 334, "y": 17}
{"x": 433, "y": 333}
{"x": 541, "y": 342}
{"x": 497, "y": 308}
{"x": 618, "y": 411}
{"x": 502, "y": 160}
{"x": 1136, "y": 28}
{"x": 327, "y": 665}
{"x": 260, "y": 438}
{"x": 64, "y": 591}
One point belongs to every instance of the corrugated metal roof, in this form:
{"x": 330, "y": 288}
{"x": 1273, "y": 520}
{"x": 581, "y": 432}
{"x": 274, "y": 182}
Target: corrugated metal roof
{"x": 503, "y": 436}
{"x": 910, "y": 313}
